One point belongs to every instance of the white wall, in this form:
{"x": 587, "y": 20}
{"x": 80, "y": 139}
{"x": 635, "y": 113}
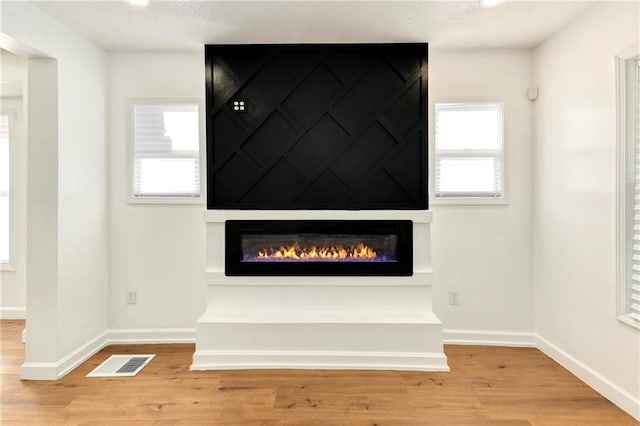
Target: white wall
{"x": 484, "y": 251}
{"x": 575, "y": 202}
{"x": 481, "y": 251}
{"x": 42, "y": 216}
{"x": 156, "y": 250}
{"x": 74, "y": 295}
{"x": 13, "y": 70}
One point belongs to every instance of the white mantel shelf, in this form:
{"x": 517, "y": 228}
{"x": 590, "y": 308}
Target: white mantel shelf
{"x": 417, "y": 216}
{"x": 420, "y": 279}
{"x": 326, "y": 317}
{"x": 335, "y": 322}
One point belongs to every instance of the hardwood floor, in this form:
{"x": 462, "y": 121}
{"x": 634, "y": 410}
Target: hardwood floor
{"x": 486, "y": 386}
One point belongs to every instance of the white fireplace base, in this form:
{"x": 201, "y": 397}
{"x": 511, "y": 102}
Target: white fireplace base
{"x": 290, "y": 339}
{"x": 319, "y": 322}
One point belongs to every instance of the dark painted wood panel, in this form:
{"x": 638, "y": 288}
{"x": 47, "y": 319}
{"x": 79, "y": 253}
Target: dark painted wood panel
{"x": 321, "y": 126}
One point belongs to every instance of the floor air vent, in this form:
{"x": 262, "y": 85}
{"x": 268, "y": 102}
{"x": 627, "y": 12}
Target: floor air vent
{"x": 121, "y": 366}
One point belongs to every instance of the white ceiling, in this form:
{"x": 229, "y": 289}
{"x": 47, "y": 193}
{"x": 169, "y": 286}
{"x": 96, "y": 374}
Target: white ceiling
{"x": 187, "y": 25}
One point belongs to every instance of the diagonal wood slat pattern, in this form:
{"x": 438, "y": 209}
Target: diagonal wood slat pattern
{"x": 324, "y": 126}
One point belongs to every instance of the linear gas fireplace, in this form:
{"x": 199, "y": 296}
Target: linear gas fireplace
{"x": 319, "y": 248}
{"x": 318, "y": 233}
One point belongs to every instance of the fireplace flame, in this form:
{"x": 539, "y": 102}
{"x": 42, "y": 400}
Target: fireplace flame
{"x": 295, "y": 251}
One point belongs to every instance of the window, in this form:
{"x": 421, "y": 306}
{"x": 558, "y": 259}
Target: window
{"x": 469, "y": 160}
{"x": 5, "y": 207}
{"x": 165, "y": 152}
{"x": 628, "y": 79}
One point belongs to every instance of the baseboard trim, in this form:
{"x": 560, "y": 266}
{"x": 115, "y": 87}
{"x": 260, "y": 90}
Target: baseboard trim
{"x": 150, "y": 336}
{"x": 80, "y": 355}
{"x": 489, "y": 338}
{"x": 57, "y": 370}
{"x": 39, "y": 371}
{"x": 8, "y": 313}
{"x": 331, "y": 360}
{"x": 221, "y": 360}
{"x": 591, "y": 377}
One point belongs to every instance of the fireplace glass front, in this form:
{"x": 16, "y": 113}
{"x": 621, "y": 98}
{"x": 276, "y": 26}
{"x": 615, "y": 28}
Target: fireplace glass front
{"x": 319, "y": 248}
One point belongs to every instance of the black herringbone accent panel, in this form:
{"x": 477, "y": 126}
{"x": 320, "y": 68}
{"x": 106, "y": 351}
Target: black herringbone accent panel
{"x": 322, "y": 126}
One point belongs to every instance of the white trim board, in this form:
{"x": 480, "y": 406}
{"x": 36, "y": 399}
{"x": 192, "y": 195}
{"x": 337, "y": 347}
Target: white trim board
{"x": 353, "y": 360}
{"x": 592, "y": 378}
{"x": 54, "y": 371}
{"x": 220, "y": 216}
{"x": 9, "y": 313}
{"x": 611, "y": 391}
{"x": 57, "y": 370}
{"x": 614, "y": 393}
{"x": 489, "y": 338}
{"x": 145, "y": 336}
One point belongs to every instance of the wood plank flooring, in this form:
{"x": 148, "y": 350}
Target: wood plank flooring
{"x": 486, "y": 386}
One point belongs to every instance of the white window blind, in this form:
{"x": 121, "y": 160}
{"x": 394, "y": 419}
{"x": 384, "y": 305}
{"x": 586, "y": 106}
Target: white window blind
{"x": 5, "y": 212}
{"x": 166, "y": 157}
{"x": 469, "y": 161}
{"x": 633, "y": 290}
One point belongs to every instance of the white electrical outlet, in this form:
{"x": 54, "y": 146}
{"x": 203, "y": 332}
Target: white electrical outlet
{"x": 454, "y": 298}
{"x": 131, "y": 297}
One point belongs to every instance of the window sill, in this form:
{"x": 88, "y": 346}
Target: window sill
{"x": 7, "y": 268}
{"x": 167, "y": 200}
{"x": 629, "y": 321}
{"x": 446, "y": 201}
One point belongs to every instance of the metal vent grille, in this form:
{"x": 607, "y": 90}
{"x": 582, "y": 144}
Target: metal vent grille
{"x": 121, "y": 366}
{"x": 132, "y": 365}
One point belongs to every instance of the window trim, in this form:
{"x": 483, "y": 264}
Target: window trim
{"x": 150, "y": 199}
{"x": 13, "y": 224}
{"x": 459, "y": 200}
{"x": 624, "y": 201}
